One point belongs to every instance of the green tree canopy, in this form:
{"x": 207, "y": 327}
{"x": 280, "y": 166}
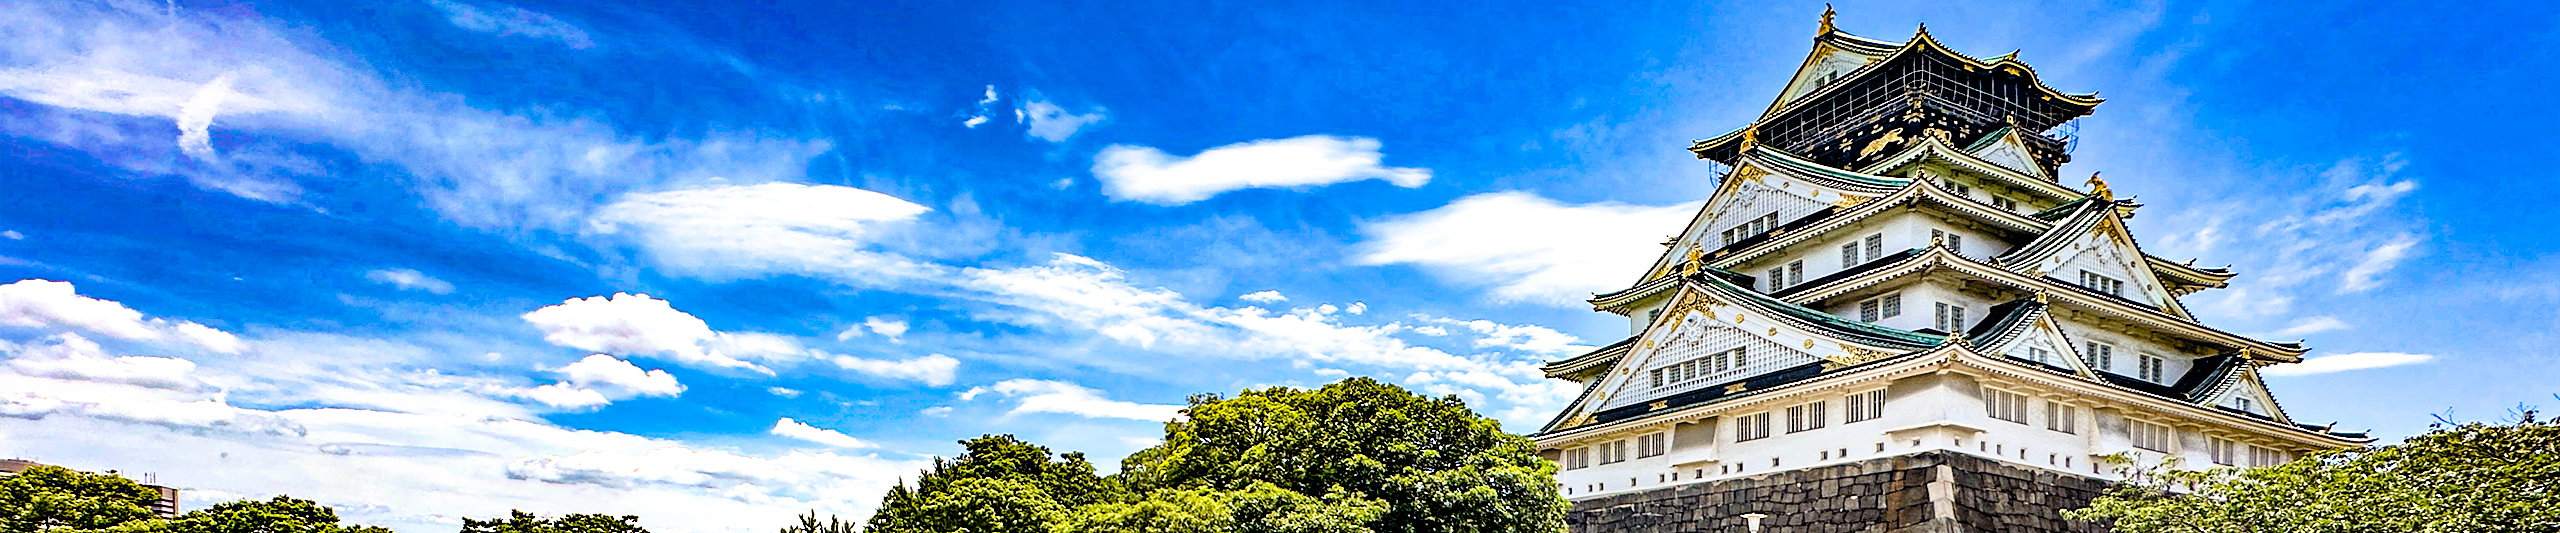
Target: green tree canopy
{"x": 49, "y": 498}
{"x": 524, "y": 522}
{"x": 1437, "y": 466}
{"x": 284, "y": 514}
{"x": 2464, "y": 478}
{"x": 1000, "y": 484}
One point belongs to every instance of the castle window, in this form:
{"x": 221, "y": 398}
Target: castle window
{"x": 1950, "y": 317}
{"x": 1749, "y": 427}
{"x": 2004, "y": 202}
{"x": 1795, "y": 273}
{"x": 2061, "y": 417}
{"x": 1880, "y": 307}
{"x": 1955, "y": 242}
{"x": 2224, "y": 451}
{"x": 1848, "y": 255}
{"x": 1652, "y": 445}
{"x": 2101, "y": 283}
{"x": 2150, "y": 368}
{"x": 1777, "y": 278}
{"x": 1750, "y": 228}
{"x": 2039, "y": 355}
{"x": 2264, "y": 456}
{"x": 2101, "y": 357}
{"x": 2149, "y": 436}
{"x": 2005, "y": 405}
{"x": 1613, "y": 452}
{"x": 2244, "y": 405}
{"x": 1577, "y": 459}
{"x": 1866, "y": 406}
{"x": 1808, "y": 417}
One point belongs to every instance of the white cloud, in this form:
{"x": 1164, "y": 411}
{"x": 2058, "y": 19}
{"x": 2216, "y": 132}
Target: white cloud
{"x": 507, "y": 20}
{"x": 1052, "y": 123}
{"x": 794, "y": 429}
{"x": 72, "y": 357}
{"x": 480, "y": 168}
{"x": 409, "y": 280}
{"x": 2367, "y": 274}
{"x": 1528, "y": 248}
{"x": 2346, "y": 362}
{"x": 13, "y": 235}
{"x": 600, "y": 379}
{"x": 2307, "y": 326}
{"x": 984, "y": 105}
{"x": 1044, "y": 396}
{"x": 1145, "y": 174}
{"x": 885, "y": 326}
{"x": 761, "y": 229}
{"x": 783, "y": 392}
{"x": 1357, "y": 308}
{"x": 1523, "y": 337}
{"x": 39, "y": 303}
{"x": 636, "y": 324}
{"x": 1264, "y": 297}
{"x": 1094, "y": 296}
{"x": 936, "y": 370}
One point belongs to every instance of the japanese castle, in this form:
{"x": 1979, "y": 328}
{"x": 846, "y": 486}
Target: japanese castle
{"x": 1894, "y": 266}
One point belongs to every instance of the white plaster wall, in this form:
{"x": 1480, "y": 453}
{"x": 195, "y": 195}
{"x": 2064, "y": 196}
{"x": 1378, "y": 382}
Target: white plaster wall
{"x": 2127, "y": 349}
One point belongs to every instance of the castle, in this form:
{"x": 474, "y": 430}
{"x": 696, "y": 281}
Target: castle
{"x": 1892, "y": 315}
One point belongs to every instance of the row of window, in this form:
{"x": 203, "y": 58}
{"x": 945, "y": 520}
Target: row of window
{"x": 2102, "y": 357}
{"x": 1750, "y": 228}
{"x": 1717, "y": 363}
{"x": 1786, "y": 276}
{"x": 2011, "y": 406}
{"x": 1810, "y": 416}
{"x": 1873, "y": 245}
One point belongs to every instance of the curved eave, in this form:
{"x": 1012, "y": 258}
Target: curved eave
{"x": 1922, "y": 42}
{"x": 1598, "y": 359}
{"x": 1797, "y": 315}
{"x": 2056, "y": 292}
{"x": 1934, "y": 360}
{"x": 2090, "y": 216}
{"x": 1917, "y": 191}
{"x": 1793, "y": 166}
{"x": 2189, "y": 274}
{"x": 1931, "y": 147}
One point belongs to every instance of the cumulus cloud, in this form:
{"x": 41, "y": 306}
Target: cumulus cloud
{"x": 794, "y": 429}
{"x": 1522, "y": 337}
{"x": 2345, "y": 362}
{"x": 1044, "y": 396}
{"x": 885, "y": 326}
{"x": 636, "y": 324}
{"x": 1265, "y": 297}
{"x": 600, "y": 379}
{"x": 72, "y": 357}
{"x": 1145, "y": 174}
{"x": 936, "y": 370}
{"x": 1052, "y": 123}
{"x": 1527, "y": 248}
{"x": 409, "y": 280}
{"x": 39, "y": 303}
{"x": 512, "y": 21}
{"x": 762, "y": 229}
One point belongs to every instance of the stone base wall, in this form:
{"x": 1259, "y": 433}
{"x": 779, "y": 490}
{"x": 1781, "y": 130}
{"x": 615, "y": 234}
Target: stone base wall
{"x": 1929, "y": 492}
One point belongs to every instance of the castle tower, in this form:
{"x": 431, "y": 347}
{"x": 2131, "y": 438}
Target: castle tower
{"x": 1892, "y": 316}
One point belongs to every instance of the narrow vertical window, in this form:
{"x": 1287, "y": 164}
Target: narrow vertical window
{"x": 1866, "y": 406}
{"x": 1950, "y": 317}
{"x": 2101, "y": 357}
{"x": 1869, "y": 310}
{"x": 1795, "y": 273}
{"x": 2150, "y": 368}
{"x": 1777, "y": 279}
{"x": 1848, "y": 255}
{"x": 1892, "y": 305}
{"x": 1875, "y": 246}
{"x": 2061, "y": 417}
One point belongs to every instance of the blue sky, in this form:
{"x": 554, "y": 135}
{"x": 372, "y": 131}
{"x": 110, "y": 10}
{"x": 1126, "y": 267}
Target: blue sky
{"x": 370, "y": 254}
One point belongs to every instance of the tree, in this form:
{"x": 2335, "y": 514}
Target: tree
{"x": 809, "y": 524}
{"x": 1263, "y": 508}
{"x": 1000, "y": 484}
{"x": 2471, "y": 477}
{"x": 524, "y": 522}
{"x": 284, "y": 514}
{"x": 1437, "y": 466}
{"x": 47, "y": 498}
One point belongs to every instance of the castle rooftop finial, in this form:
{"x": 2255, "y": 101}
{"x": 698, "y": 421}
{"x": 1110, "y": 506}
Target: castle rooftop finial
{"x": 1827, "y": 28}
{"x": 1750, "y": 138}
{"x": 2098, "y": 188}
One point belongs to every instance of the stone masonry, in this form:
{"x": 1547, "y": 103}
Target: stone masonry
{"x": 1929, "y": 492}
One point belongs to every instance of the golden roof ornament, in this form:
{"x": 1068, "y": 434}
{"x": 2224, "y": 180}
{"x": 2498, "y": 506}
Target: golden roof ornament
{"x": 2098, "y": 188}
{"x": 1827, "y": 28}
{"x": 1750, "y": 138}
{"x": 1697, "y": 257}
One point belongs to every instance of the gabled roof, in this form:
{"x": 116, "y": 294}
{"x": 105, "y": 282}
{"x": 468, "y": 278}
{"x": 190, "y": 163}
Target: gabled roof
{"x": 1576, "y": 367}
{"x": 2186, "y": 278}
{"x": 1882, "y": 52}
{"x": 1937, "y": 257}
{"x": 1930, "y": 148}
{"x": 1915, "y": 191}
{"x": 2093, "y": 217}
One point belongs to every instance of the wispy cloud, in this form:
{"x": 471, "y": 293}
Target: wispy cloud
{"x": 2307, "y": 326}
{"x": 507, "y": 20}
{"x": 1263, "y": 297}
{"x": 1145, "y": 174}
{"x": 1527, "y": 248}
{"x": 1051, "y": 122}
{"x": 794, "y": 429}
{"x": 1044, "y": 396}
{"x": 936, "y": 370}
{"x": 823, "y": 230}
{"x": 2345, "y": 362}
{"x": 410, "y": 280}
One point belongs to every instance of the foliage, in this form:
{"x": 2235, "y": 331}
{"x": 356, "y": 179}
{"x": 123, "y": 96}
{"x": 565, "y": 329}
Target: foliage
{"x": 1263, "y": 508}
{"x": 284, "y": 514}
{"x": 2471, "y": 477}
{"x": 809, "y": 524}
{"x": 1435, "y": 464}
{"x": 524, "y": 522}
{"x": 1000, "y": 484}
{"x": 46, "y": 498}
